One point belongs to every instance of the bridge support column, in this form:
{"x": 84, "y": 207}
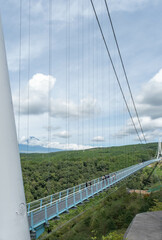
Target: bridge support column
{"x": 159, "y": 155}
{"x": 34, "y": 234}
{"x": 14, "y": 221}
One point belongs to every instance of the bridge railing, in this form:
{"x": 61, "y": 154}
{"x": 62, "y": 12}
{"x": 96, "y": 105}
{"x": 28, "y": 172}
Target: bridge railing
{"x": 53, "y": 209}
{"x": 57, "y": 196}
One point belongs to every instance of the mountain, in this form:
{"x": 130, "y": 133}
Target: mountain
{"x": 23, "y": 148}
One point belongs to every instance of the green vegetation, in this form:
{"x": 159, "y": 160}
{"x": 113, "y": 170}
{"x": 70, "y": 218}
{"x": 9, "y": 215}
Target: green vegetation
{"x": 113, "y": 236}
{"x": 157, "y": 206}
{"x": 153, "y": 183}
{"x": 107, "y": 219}
{"x": 106, "y": 216}
{"x": 45, "y": 174}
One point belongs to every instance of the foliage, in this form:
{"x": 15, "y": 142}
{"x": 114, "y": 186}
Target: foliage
{"x": 46, "y": 174}
{"x": 105, "y": 216}
{"x": 113, "y": 236}
{"x": 157, "y": 206}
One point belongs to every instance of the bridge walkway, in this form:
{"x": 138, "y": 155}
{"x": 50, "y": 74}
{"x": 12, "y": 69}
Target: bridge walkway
{"x": 42, "y": 214}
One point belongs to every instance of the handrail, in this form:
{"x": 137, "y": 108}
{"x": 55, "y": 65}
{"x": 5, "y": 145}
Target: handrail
{"x": 61, "y": 193}
{"x": 53, "y": 209}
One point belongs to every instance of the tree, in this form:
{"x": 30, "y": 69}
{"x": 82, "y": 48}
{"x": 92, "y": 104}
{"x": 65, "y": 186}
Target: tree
{"x": 113, "y": 236}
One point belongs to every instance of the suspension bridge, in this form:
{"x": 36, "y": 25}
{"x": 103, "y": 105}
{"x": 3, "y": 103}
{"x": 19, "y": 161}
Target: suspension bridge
{"x": 50, "y": 207}
{"x": 23, "y": 221}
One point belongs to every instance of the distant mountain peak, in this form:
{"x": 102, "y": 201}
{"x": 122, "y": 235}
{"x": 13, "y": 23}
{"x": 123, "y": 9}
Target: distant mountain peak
{"x": 24, "y": 148}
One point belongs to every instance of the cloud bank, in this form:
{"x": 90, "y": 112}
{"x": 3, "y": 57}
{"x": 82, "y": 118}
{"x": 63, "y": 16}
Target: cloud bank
{"x": 149, "y": 106}
{"x": 39, "y": 87}
{"x": 33, "y": 141}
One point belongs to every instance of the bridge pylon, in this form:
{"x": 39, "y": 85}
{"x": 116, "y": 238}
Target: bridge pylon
{"x": 13, "y": 215}
{"x": 159, "y": 154}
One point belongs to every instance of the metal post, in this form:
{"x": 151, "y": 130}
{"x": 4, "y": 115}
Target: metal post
{"x": 59, "y": 196}
{"x": 101, "y": 185}
{"x": 66, "y": 203}
{"x": 67, "y": 192}
{"x": 32, "y": 224}
{"x": 57, "y": 212}
{"x": 13, "y": 212}
{"x": 81, "y": 196}
{"x": 46, "y": 219}
{"x": 28, "y": 207}
{"x": 74, "y": 196}
{"x": 97, "y": 187}
{"x": 41, "y": 204}
{"x": 91, "y": 190}
{"x": 51, "y": 199}
{"x": 86, "y": 192}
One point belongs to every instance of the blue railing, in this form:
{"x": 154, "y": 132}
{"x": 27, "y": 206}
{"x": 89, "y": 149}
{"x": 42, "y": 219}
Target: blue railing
{"x": 38, "y": 204}
{"x": 42, "y": 210}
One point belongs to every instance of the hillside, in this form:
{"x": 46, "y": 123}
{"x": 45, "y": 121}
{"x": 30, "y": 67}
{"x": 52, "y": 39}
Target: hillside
{"x": 107, "y": 216}
{"x": 45, "y": 174}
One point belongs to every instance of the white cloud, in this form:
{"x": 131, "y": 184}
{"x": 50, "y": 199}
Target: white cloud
{"x": 39, "y": 87}
{"x": 39, "y": 40}
{"x": 98, "y": 139}
{"x": 41, "y": 84}
{"x": 70, "y": 146}
{"x": 148, "y": 124}
{"x": 33, "y": 141}
{"x": 149, "y": 102}
{"x": 149, "y": 106}
{"x": 151, "y": 93}
{"x": 152, "y": 129}
{"x": 86, "y": 108}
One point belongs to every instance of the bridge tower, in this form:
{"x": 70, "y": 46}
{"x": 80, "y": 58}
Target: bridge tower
{"x": 13, "y": 216}
{"x": 159, "y": 154}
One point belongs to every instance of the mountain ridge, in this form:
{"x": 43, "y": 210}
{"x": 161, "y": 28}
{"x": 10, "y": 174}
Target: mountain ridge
{"x": 23, "y": 148}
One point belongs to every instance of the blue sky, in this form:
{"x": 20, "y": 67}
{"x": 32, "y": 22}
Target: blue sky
{"x": 87, "y": 109}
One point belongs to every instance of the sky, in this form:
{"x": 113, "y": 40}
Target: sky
{"x": 69, "y": 96}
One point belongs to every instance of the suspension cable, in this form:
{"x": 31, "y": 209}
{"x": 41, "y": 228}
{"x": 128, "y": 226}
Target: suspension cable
{"x": 29, "y": 39}
{"x": 126, "y": 77}
{"x": 109, "y": 55}
{"x": 50, "y": 73}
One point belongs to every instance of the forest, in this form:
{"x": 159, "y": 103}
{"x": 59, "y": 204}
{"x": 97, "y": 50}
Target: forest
{"x": 106, "y": 216}
{"x": 45, "y": 174}
{"x": 106, "y": 219}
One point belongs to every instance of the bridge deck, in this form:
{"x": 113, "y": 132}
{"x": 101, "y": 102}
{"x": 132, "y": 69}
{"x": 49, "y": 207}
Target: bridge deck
{"x": 53, "y": 207}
